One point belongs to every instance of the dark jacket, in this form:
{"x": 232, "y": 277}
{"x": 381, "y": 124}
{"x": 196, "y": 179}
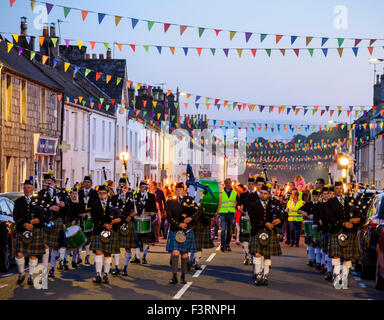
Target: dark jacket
{"x": 176, "y": 212}
{"x": 148, "y": 205}
{"x": 46, "y": 201}
{"x": 99, "y": 217}
{"x": 126, "y": 206}
{"x": 336, "y": 215}
{"x": 92, "y": 196}
{"x": 24, "y": 212}
{"x": 73, "y": 211}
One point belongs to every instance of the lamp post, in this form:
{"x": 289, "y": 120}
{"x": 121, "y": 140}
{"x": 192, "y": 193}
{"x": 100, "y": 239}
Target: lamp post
{"x": 124, "y": 156}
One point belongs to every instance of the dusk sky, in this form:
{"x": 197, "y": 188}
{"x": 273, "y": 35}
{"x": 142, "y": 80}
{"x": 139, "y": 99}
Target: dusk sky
{"x": 274, "y": 80}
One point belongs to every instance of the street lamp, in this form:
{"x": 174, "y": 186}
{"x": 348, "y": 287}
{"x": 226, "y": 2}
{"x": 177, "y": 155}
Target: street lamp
{"x": 124, "y": 156}
{"x": 344, "y": 161}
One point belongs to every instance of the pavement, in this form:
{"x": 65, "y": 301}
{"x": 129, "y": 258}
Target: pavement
{"x": 223, "y": 277}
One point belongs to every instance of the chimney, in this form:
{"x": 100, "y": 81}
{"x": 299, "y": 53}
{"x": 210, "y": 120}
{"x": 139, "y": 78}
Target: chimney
{"x": 377, "y": 79}
{"x": 87, "y": 55}
{"x": 52, "y": 30}
{"x": 94, "y": 56}
{"x": 109, "y": 54}
{"x": 101, "y": 56}
{"x": 23, "y": 26}
{"x": 45, "y": 30}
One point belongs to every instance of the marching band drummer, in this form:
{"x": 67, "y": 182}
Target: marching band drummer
{"x": 28, "y": 217}
{"x": 181, "y": 213}
{"x": 105, "y": 239}
{"x": 145, "y": 203}
{"x": 265, "y": 214}
{"x": 54, "y": 237}
{"x": 86, "y": 196}
{"x": 123, "y": 200}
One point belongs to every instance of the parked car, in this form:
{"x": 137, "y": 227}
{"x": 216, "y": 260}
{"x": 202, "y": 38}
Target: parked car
{"x": 368, "y": 236}
{"x": 7, "y": 234}
{"x": 379, "y": 276}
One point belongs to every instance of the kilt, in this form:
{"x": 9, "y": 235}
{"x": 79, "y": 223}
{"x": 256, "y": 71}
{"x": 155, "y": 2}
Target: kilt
{"x": 128, "y": 241}
{"x": 244, "y": 237}
{"x": 315, "y": 243}
{"x": 349, "y": 252}
{"x": 35, "y": 248}
{"x": 202, "y": 236}
{"x": 272, "y": 249}
{"x": 188, "y": 246}
{"x": 112, "y": 247}
{"x": 325, "y": 242}
{"x": 56, "y": 238}
{"x": 143, "y": 237}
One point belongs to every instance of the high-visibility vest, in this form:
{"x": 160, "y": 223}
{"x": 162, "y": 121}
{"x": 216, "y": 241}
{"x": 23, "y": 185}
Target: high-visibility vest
{"x": 228, "y": 204}
{"x": 292, "y": 209}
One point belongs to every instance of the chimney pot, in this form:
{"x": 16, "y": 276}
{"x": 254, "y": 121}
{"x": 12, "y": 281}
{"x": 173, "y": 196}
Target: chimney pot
{"x": 94, "y": 56}
{"x": 109, "y": 54}
{"x": 377, "y": 79}
{"x": 52, "y": 30}
{"x": 87, "y": 56}
{"x": 101, "y": 56}
{"x": 23, "y": 26}
{"x": 45, "y": 30}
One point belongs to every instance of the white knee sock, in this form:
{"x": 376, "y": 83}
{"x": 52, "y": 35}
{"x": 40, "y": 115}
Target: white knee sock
{"x": 20, "y": 265}
{"x": 53, "y": 258}
{"x": 107, "y": 264}
{"x": 346, "y": 267}
{"x": 62, "y": 254}
{"x": 127, "y": 258}
{"x": 87, "y": 250}
{"x": 322, "y": 257}
{"x": 198, "y": 256}
{"x": 137, "y": 253}
{"x": 145, "y": 249}
{"x": 191, "y": 257}
{"x": 99, "y": 263}
{"x": 257, "y": 265}
{"x": 318, "y": 255}
{"x": 329, "y": 264}
{"x": 245, "y": 249}
{"x": 116, "y": 258}
{"x": 32, "y": 265}
{"x": 311, "y": 253}
{"x": 46, "y": 258}
{"x": 267, "y": 264}
{"x": 336, "y": 266}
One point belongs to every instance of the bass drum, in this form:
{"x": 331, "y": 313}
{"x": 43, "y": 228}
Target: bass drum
{"x": 208, "y": 203}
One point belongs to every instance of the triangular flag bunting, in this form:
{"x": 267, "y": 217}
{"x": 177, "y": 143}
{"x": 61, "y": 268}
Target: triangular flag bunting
{"x": 108, "y": 77}
{"x": 201, "y": 30}
{"x": 278, "y": 38}
{"x": 357, "y": 41}
{"x": 119, "y": 46}
{"x": 239, "y": 51}
{"x": 54, "y": 41}
{"x": 296, "y": 51}
{"x": 370, "y": 49}
{"x": 41, "y": 41}
{"x": 172, "y": 50}
{"x": 134, "y": 22}
{"x": 100, "y": 17}
{"x": 150, "y": 25}
{"x": 231, "y": 34}
{"x": 248, "y": 36}
{"x": 66, "y": 11}
{"x": 98, "y": 74}
{"x": 213, "y": 50}
{"x": 10, "y": 45}
{"x": 325, "y": 51}
{"x": 16, "y": 37}
{"x": 80, "y": 43}
{"x": 117, "y": 20}
{"x": 182, "y": 29}
{"x": 84, "y": 14}
{"x": 106, "y": 45}
{"x": 254, "y": 52}
{"x": 262, "y": 37}
{"x": 133, "y": 47}
{"x": 268, "y": 51}
{"x": 308, "y": 40}
{"x": 340, "y": 41}
{"x": 49, "y": 7}
{"x": 198, "y": 51}
{"x": 146, "y": 48}
{"x": 32, "y": 55}
{"x": 355, "y": 51}
{"x": 293, "y": 39}
{"x": 166, "y": 26}
{"x": 310, "y": 50}
{"x": 340, "y": 50}
{"x": 87, "y": 71}
{"x": 159, "y": 49}
{"x": 92, "y": 43}
{"x": 282, "y": 51}
{"x": 44, "y": 59}
{"x": 66, "y": 66}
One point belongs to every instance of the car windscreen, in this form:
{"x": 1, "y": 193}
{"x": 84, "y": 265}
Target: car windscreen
{"x": 381, "y": 209}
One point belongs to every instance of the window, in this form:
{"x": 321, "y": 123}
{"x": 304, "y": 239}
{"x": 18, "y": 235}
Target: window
{"x": 75, "y": 115}
{"x": 23, "y": 170}
{"x": 43, "y": 107}
{"x": 130, "y": 143}
{"x": 117, "y": 139}
{"x": 66, "y": 121}
{"x": 83, "y": 124}
{"x": 103, "y": 136}
{"x": 8, "y": 174}
{"x": 110, "y": 137}
{"x": 9, "y": 98}
{"x": 94, "y": 135}
{"x": 23, "y": 102}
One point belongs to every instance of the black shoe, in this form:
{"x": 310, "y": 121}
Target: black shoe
{"x": 222, "y": 249}
{"x": 136, "y": 260}
{"x": 98, "y": 279}
{"x": 116, "y": 272}
{"x": 105, "y": 278}
{"x": 74, "y": 265}
{"x": 144, "y": 261}
{"x": 30, "y": 281}
{"x": 61, "y": 266}
{"x": 288, "y": 242}
{"x": 228, "y": 248}
{"x": 246, "y": 262}
{"x": 318, "y": 266}
{"x": 125, "y": 273}
{"x": 310, "y": 263}
{"x": 79, "y": 260}
{"x": 86, "y": 260}
{"x": 323, "y": 270}
{"x": 328, "y": 277}
{"x": 264, "y": 280}
{"x": 170, "y": 261}
{"x": 51, "y": 273}
{"x": 182, "y": 279}
{"x": 291, "y": 245}
{"x": 258, "y": 278}
{"x": 297, "y": 245}
{"x": 21, "y": 278}
{"x": 66, "y": 267}
{"x": 173, "y": 280}
{"x": 198, "y": 267}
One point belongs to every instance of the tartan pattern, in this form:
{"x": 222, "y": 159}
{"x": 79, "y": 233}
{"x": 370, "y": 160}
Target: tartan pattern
{"x": 56, "y": 238}
{"x": 128, "y": 241}
{"x": 202, "y": 236}
{"x": 144, "y": 238}
{"x": 188, "y": 246}
{"x": 244, "y": 237}
{"x": 88, "y": 235}
{"x": 325, "y": 242}
{"x": 35, "y": 248}
{"x": 317, "y": 243}
{"x": 112, "y": 247}
{"x": 349, "y": 252}
{"x": 272, "y": 249}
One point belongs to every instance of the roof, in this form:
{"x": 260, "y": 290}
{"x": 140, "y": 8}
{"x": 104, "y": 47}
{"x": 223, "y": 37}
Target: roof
{"x": 24, "y": 67}
{"x": 114, "y": 67}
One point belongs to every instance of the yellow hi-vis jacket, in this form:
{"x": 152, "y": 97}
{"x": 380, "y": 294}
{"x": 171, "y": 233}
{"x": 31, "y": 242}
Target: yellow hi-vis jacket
{"x": 292, "y": 209}
{"x": 228, "y": 205}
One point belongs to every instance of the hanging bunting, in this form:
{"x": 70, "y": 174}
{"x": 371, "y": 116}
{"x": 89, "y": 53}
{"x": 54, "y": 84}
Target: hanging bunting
{"x": 117, "y": 20}
{"x": 84, "y": 14}
{"x": 150, "y": 25}
{"x": 182, "y": 29}
{"x": 231, "y": 34}
{"x": 66, "y": 11}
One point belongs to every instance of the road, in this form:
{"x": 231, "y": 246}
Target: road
{"x": 224, "y": 277}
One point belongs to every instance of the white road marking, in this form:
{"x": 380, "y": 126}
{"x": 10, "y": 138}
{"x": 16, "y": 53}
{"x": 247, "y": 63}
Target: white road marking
{"x": 182, "y": 290}
{"x": 362, "y": 285}
{"x": 7, "y": 275}
{"x": 211, "y": 257}
{"x": 4, "y": 285}
{"x": 198, "y": 272}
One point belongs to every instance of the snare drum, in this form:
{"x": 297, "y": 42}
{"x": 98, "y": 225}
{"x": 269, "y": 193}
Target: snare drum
{"x": 142, "y": 224}
{"x": 88, "y": 225}
{"x": 245, "y": 225}
{"x": 208, "y": 203}
{"x": 315, "y": 235}
{"x": 75, "y": 237}
{"x": 308, "y": 228}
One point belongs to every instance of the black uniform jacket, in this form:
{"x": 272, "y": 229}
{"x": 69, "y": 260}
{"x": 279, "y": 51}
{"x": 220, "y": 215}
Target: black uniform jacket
{"x": 99, "y": 217}
{"x": 24, "y": 213}
{"x": 176, "y": 212}
{"x": 336, "y": 214}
